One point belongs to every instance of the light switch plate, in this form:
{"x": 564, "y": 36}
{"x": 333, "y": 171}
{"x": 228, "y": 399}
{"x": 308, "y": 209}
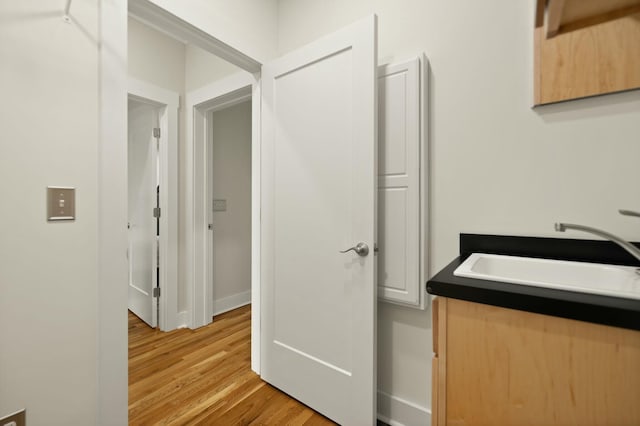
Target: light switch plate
{"x": 219, "y": 205}
{"x": 61, "y": 204}
{"x": 18, "y": 418}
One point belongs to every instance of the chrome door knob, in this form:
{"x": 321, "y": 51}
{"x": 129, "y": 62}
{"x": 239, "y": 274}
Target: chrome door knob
{"x": 361, "y": 249}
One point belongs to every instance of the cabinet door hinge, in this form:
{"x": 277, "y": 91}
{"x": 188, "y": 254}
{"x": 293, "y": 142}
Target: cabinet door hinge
{"x": 156, "y": 132}
{"x": 156, "y": 212}
{"x": 156, "y": 292}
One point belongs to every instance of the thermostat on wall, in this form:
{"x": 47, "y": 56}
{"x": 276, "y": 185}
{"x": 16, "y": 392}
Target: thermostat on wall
{"x": 61, "y": 203}
{"x": 219, "y": 205}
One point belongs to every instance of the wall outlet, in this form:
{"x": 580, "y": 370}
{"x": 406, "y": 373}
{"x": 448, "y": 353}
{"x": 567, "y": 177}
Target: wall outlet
{"x": 18, "y": 418}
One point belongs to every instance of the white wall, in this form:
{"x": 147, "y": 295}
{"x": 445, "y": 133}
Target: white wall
{"x": 232, "y": 182}
{"x": 247, "y": 25}
{"x": 202, "y": 68}
{"x": 155, "y": 57}
{"x": 497, "y": 166}
{"x": 48, "y": 271}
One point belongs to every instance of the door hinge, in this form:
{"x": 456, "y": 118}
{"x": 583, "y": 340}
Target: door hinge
{"x": 156, "y": 212}
{"x": 156, "y": 292}
{"x": 156, "y": 132}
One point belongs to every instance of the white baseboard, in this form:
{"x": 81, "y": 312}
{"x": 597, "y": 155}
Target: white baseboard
{"x": 396, "y": 411}
{"x": 231, "y": 302}
{"x": 183, "y": 319}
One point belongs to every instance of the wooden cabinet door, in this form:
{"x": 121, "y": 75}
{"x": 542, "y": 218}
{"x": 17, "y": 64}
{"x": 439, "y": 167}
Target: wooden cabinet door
{"x": 509, "y": 367}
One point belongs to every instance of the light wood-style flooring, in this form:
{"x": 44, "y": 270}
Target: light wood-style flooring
{"x": 203, "y": 377}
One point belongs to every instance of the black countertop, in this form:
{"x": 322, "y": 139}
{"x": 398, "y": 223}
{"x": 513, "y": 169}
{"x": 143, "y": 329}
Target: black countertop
{"x": 608, "y": 310}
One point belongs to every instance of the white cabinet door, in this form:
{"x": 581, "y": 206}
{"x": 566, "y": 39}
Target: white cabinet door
{"x": 400, "y": 189}
{"x": 142, "y": 176}
{"x": 319, "y": 197}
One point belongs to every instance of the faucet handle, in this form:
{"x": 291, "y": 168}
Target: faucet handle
{"x": 629, "y": 213}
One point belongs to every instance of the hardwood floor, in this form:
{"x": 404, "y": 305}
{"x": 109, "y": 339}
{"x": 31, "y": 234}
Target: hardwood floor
{"x": 203, "y": 377}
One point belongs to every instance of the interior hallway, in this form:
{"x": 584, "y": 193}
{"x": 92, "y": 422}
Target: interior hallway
{"x": 203, "y": 377}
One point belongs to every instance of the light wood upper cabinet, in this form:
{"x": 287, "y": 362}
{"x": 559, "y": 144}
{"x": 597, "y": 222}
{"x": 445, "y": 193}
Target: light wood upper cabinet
{"x": 563, "y": 16}
{"x": 585, "y": 48}
{"x": 498, "y": 366}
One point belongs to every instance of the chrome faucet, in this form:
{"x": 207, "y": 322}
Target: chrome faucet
{"x": 633, "y": 250}
{"x": 629, "y": 213}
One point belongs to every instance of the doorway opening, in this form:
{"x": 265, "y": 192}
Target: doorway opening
{"x": 214, "y": 157}
{"x": 237, "y": 97}
{"x": 187, "y": 70}
{"x": 229, "y": 201}
{"x": 114, "y": 70}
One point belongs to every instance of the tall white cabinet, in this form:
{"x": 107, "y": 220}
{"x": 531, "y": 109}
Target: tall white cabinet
{"x": 402, "y": 182}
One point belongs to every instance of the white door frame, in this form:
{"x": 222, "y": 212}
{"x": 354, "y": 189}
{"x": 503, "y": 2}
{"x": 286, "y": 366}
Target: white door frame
{"x": 199, "y": 104}
{"x": 167, "y": 102}
{"x": 151, "y": 14}
{"x": 112, "y": 300}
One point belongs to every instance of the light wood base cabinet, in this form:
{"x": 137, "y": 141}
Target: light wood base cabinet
{"x": 498, "y": 366}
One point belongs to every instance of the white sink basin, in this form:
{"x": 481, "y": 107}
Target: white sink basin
{"x": 609, "y": 280}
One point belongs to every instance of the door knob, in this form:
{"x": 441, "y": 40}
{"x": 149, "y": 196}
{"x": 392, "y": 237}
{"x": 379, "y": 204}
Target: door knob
{"x": 361, "y": 249}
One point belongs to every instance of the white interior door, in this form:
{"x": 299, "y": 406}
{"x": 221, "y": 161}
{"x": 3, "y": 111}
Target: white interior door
{"x": 143, "y": 180}
{"x": 319, "y": 197}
